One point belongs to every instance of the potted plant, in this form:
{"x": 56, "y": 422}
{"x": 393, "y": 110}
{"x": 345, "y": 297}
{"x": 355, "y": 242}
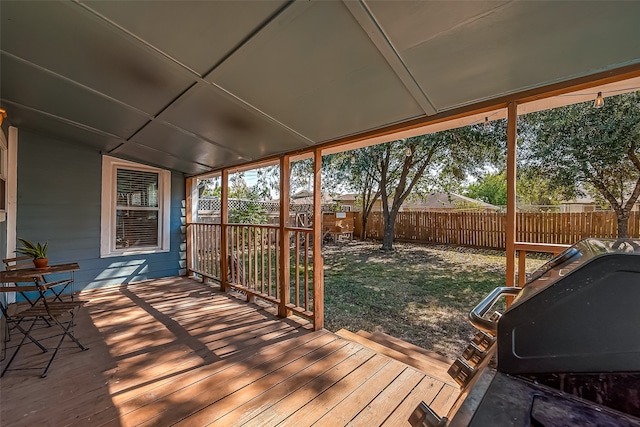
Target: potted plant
{"x": 38, "y": 252}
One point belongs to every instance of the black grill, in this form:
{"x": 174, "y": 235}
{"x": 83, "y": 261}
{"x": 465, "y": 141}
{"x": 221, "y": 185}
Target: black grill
{"x": 567, "y": 349}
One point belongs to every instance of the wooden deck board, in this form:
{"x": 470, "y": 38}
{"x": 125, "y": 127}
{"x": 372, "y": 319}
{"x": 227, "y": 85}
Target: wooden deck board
{"x": 352, "y": 404}
{"x": 178, "y": 351}
{"x": 388, "y": 400}
{"x": 291, "y": 405}
{"x": 280, "y": 379}
{"x": 214, "y": 389}
{"x": 427, "y": 390}
{"x": 431, "y": 366}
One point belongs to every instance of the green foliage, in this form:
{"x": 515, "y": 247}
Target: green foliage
{"x": 579, "y": 149}
{"x": 250, "y": 213}
{"x": 36, "y": 251}
{"x": 492, "y": 188}
{"x": 534, "y": 189}
{"x": 238, "y": 188}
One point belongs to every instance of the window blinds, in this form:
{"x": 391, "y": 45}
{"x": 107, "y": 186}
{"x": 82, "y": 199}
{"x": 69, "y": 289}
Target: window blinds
{"x": 136, "y": 209}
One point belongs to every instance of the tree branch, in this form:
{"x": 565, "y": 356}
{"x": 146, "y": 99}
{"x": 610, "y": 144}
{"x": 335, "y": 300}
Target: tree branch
{"x": 632, "y": 154}
{"x": 633, "y": 198}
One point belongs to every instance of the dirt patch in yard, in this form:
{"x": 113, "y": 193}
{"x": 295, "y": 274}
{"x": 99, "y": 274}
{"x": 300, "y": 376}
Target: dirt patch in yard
{"x": 419, "y": 293}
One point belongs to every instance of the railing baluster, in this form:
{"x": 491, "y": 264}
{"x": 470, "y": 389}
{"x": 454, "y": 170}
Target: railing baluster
{"x": 297, "y": 258}
{"x": 217, "y": 251}
{"x": 200, "y": 249}
{"x": 207, "y": 250}
{"x": 262, "y": 260}
{"x": 269, "y": 262}
{"x": 255, "y": 258}
{"x": 277, "y": 263}
{"x": 249, "y": 270}
{"x": 306, "y": 271}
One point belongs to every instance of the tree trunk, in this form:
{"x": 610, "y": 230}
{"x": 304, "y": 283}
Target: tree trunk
{"x": 389, "y": 231}
{"x": 363, "y": 232}
{"x": 623, "y": 226}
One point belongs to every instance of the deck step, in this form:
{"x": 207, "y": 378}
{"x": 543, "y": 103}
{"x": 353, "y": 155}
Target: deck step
{"x": 404, "y": 346}
{"x": 430, "y": 366}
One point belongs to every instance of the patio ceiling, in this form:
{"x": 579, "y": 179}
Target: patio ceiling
{"x": 197, "y": 86}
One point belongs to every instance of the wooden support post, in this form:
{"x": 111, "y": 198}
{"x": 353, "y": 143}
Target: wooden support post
{"x": 224, "y": 218}
{"x": 318, "y": 263}
{"x": 512, "y": 123}
{"x": 285, "y": 296}
{"x": 522, "y": 267}
{"x": 190, "y": 182}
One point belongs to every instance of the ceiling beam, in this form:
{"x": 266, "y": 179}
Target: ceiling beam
{"x": 371, "y": 27}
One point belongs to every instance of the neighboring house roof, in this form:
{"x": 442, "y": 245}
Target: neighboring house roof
{"x": 305, "y": 197}
{"x": 584, "y": 200}
{"x": 349, "y": 197}
{"x": 438, "y": 200}
{"x": 447, "y": 201}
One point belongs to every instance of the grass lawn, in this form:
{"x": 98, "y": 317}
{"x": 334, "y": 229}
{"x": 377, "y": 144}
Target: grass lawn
{"x": 419, "y": 293}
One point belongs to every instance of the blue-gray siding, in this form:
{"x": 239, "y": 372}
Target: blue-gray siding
{"x": 59, "y": 194}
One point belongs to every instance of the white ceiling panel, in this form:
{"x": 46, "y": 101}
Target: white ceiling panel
{"x": 163, "y": 137}
{"x": 65, "y": 39}
{"x": 215, "y": 117}
{"x": 144, "y": 154}
{"x": 54, "y": 127}
{"x": 43, "y": 91}
{"x": 315, "y": 69}
{"x": 410, "y": 23}
{"x": 198, "y": 34}
{"x": 200, "y": 85}
{"x": 512, "y": 48}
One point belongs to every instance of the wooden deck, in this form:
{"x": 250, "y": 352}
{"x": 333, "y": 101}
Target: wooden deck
{"x": 175, "y": 351}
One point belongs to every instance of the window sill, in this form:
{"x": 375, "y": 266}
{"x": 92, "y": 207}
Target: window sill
{"x": 133, "y": 252}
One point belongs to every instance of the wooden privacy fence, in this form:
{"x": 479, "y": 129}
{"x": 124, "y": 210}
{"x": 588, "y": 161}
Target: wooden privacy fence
{"x": 488, "y": 229}
{"x": 255, "y": 262}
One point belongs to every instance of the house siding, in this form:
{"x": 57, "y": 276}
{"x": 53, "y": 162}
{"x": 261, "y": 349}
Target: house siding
{"x": 59, "y": 189}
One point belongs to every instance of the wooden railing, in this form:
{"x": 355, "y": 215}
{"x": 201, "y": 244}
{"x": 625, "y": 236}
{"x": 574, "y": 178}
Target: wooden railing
{"x": 521, "y": 251}
{"x": 301, "y": 288}
{"x": 203, "y": 250}
{"x": 256, "y": 265}
{"x": 254, "y": 260}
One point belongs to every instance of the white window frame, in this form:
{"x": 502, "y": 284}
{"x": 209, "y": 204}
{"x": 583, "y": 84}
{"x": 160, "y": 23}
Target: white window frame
{"x": 110, "y": 165}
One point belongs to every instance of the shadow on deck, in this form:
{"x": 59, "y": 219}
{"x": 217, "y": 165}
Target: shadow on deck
{"x": 175, "y": 351}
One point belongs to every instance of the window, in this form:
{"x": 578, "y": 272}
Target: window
{"x": 135, "y": 208}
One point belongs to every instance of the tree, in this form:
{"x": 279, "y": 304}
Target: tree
{"x": 354, "y": 172}
{"x": 492, "y": 188}
{"x": 534, "y": 189}
{"x": 423, "y": 163}
{"x": 581, "y": 149}
{"x": 246, "y": 209}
